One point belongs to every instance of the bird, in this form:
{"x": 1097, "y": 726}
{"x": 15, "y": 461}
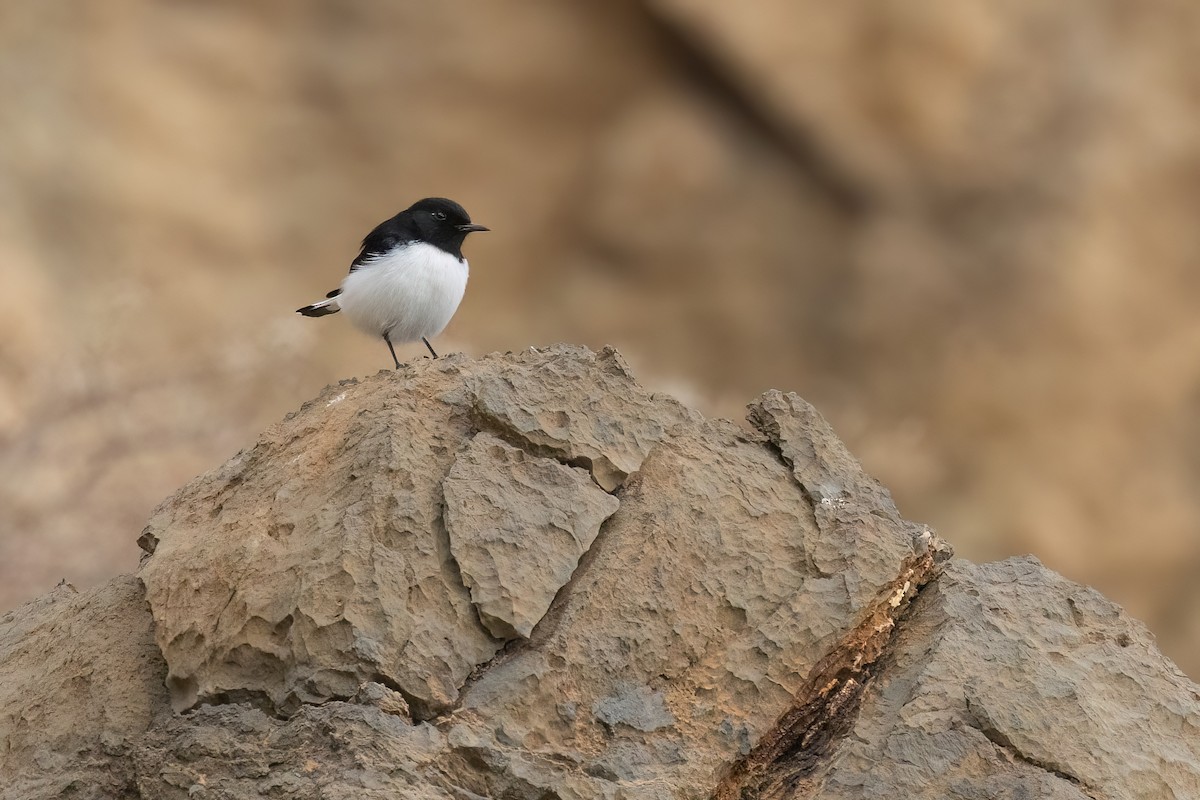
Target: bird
{"x": 409, "y": 276}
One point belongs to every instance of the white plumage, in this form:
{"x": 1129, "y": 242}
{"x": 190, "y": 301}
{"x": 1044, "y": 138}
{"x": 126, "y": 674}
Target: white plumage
{"x": 409, "y": 276}
{"x": 408, "y": 293}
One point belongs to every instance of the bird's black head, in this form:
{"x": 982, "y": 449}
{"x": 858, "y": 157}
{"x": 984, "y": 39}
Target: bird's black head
{"x": 441, "y": 222}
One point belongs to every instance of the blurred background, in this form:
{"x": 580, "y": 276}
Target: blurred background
{"x": 967, "y": 231}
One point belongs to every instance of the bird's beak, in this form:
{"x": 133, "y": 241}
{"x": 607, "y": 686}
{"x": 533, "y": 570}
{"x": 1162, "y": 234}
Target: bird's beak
{"x": 471, "y": 227}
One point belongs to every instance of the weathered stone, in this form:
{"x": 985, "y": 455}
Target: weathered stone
{"x": 383, "y": 698}
{"x": 755, "y": 619}
{"x": 338, "y": 570}
{"x": 80, "y": 681}
{"x": 696, "y": 622}
{"x": 338, "y": 750}
{"x": 635, "y": 706}
{"x": 1007, "y": 679}
{"x": 518, "y": 526}
{"x": 590, "y": 411}
{"x": 830, "y": 475}
{"x": 329, "y": 572}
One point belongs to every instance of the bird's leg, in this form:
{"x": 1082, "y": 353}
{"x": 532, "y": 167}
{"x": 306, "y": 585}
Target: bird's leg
{"x": 427, "y": 344}
{"x": 388, "y": 339}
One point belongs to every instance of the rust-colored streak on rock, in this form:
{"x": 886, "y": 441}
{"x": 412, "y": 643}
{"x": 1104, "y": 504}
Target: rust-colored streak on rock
{"x": 826, "y": 709}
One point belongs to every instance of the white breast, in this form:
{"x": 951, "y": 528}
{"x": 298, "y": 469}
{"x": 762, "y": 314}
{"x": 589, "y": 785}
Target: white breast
{"x": 408, "y": 293}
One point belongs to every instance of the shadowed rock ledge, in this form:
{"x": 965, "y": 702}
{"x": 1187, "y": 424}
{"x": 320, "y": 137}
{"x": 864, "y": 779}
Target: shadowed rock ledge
{"x": 525, "y": 576}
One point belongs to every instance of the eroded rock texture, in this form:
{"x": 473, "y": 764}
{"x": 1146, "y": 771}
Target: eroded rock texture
{"x": 327, "y": 561}
{"x": 518, "y": 527}
{"x": 1006, "y": 678}
{"x": 525, "y": 577}
{"x": 80, "y": 680}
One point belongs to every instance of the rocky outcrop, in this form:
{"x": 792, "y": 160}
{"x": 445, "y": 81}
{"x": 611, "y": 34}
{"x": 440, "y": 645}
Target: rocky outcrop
{"x": 339, "y": 569}
{"x": 526, "y": 577}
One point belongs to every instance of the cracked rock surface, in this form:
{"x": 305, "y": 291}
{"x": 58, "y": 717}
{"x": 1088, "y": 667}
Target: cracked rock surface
{"x": 518, "y": 527}
{"x": 325, "y": 551}
{"x": 524, "y": 576}
{"x": 1008, "y": 680}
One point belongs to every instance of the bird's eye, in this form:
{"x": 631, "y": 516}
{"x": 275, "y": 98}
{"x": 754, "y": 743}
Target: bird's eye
{"x": 439, "y": 215}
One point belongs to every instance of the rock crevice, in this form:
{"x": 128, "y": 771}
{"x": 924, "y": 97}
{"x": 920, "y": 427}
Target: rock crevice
{"x": 828, "y": 705}
{"x": 993, "y": 735}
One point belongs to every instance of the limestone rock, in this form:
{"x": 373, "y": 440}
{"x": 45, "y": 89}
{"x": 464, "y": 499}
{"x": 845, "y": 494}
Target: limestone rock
{"x": 905, "y": 194}
{"x": 327, "y": 562}
{"x": 588, "y": 412}
{"x": 80, "y": 680}
{"x": 518, "y": 526}
{"x": 754, "y": 619}
{"x": 325, "y": 557}
{"x": 338, "y": 750}
{"x": 1008, "y": 680}
{"x": 830, "y": 475}
{"x": 819, "y": 74}
{"x": 383, "y": 698}
{"x": 699, "y": 619}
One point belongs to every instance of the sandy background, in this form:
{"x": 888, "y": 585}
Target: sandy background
{"x": 967, "y": 231}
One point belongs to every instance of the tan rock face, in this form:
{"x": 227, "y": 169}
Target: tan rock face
{"x": 308, "y": 592}
{"x": 705, "y": 609}
{"x": 710, "y": 594}
{"x": 401, "y": 590}
{"x": 713, "y": 595}
{"x": 518, "y": 526}
{"x": 971, "y": 713}
{"x": 596, "y": 417}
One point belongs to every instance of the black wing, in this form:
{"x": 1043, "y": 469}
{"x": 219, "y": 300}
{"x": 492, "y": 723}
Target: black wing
{"x": 385, "y": 238}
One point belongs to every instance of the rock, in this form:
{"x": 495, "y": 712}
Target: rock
{"x": 1008, "y": 680}
{"x": 80, "y": 681}
{"x": 387, "y": 700}
{"x": 337, "y": 750}
{"x": 518, "y": 525}
{"x": 946, "y": 72}
{"x": 698, "y": 619}
{"x": 822, "y": 465}
{"x": 338, "y": 569}
{"x": 328, "y": 573}
{"x": 978, "y": 142}
{"x": 966, "y": 229}
{"x": 635, "y": 706}
{"x": 589, "y": 411}
{"x": 753, "y": 618}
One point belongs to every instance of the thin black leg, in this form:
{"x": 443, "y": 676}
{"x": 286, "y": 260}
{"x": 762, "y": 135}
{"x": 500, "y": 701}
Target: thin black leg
{"x": 391, "y": 349}
{"x": 427, "y": 344}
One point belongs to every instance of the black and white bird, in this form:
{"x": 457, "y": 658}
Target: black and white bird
{"x": 409, "y": 278}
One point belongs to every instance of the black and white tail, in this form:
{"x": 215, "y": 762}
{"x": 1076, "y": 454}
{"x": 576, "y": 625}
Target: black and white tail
{"x": 327, "y": 306}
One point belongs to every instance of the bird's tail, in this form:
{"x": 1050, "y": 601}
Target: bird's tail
{"x": 326, "y": 306}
